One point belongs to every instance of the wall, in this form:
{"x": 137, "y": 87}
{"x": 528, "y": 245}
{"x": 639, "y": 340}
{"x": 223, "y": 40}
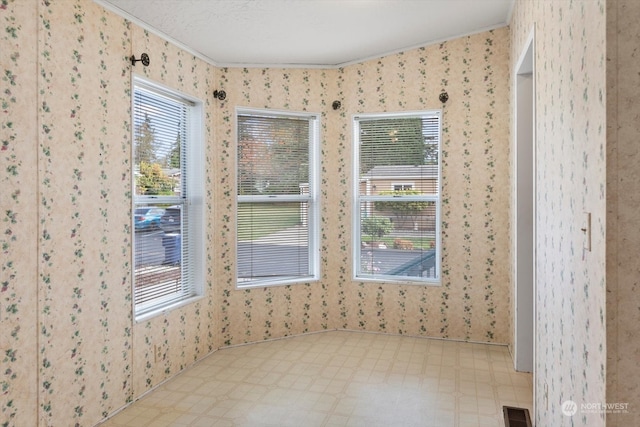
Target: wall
{"x": 570, "y": 79}
{"x": 18, "y": 215}
{"x": 189, "y": 333}
{"x": 82, "y": 175}
{"x": 74, "y": 353}
{"x": 473, "y": 301}
{"x": 623, "y": 205}
{"x": 262, "y": 313}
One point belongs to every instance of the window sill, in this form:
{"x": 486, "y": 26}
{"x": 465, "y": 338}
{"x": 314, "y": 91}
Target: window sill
{"x": 302, "y": 281}
{"x": 387, "y": 281}
{"x": 166, "y": 309}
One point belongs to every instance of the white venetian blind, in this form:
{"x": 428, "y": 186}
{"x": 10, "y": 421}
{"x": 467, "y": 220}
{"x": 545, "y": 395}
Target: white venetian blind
{"x": 276, "y": 198}
{"x": 397, "y": 196}
{"x": 163, "y": 255}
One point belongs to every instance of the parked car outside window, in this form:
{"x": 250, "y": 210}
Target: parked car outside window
{"x": 147, "y": 218}
{"x": 171, "y": 220}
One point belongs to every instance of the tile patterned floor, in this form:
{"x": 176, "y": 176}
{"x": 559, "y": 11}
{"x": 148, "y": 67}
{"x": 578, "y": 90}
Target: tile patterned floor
{"x": 339, "y": 378}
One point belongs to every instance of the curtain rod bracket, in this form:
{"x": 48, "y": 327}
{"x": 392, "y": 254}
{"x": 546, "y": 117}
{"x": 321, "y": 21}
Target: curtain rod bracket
{"x": 144, "y": 58}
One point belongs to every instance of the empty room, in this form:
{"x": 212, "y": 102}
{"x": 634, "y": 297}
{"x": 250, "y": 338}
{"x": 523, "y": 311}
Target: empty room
{"x": 319, "y": 213}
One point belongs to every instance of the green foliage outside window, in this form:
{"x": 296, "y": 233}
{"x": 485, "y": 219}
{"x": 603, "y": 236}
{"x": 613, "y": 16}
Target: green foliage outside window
{"x": 402, "y": 209}
{"x": 376, "y": 226}
{"x": 153, "y": 181}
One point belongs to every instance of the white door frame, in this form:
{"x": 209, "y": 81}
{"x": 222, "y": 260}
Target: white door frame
{"x": 525, "y": 209}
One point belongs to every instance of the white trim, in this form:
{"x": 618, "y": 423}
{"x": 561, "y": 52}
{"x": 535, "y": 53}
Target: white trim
{"x": 417, "y": 46}
{"x": 510, "y": 13}
{"x": 356, "y": 198}
{"x": 393, "y": 115}
{"x": 274, "y": 113}
{"x": 110, "y": 7}
{"x": 525, "y": 67}
{"x": 195, "y": 198}
{"x": 360, "y": 60}
{"x": 213, "y": 62}
{"x": 312, "y": 196}
{"x": 387, "y": 178}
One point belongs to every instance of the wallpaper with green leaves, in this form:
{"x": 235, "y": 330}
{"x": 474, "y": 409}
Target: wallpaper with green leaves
{"x": 18, "y": 214}
{"x": 74, "y": 353}
{"x": 472, "y": 302}
{"x": 571, "y": 176}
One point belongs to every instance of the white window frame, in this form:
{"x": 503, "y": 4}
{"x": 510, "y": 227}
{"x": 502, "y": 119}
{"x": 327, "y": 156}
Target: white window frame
{"x": 192, "y": 240}
{"x": 357, "y": 201}
{"x": 311, "y": 198}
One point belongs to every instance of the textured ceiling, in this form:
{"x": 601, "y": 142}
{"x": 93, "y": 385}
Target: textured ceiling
{"x": 312, "y": 33}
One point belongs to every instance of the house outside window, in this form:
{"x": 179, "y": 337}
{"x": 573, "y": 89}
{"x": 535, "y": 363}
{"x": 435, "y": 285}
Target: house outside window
{"x": 167, "y": 199}
{"x": 277, "y": 197}
{"x": 402, "y": 187}
{"x": 397, "y": 179}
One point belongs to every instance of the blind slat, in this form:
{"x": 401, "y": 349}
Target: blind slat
{"x": 276, "y": 198}
{"x": 398, "y": 191}
{"x": 163, "y": 256}
{"x": 273, "y": 155}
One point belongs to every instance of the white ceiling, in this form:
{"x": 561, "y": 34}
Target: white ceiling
{"x": 309, "y": 33}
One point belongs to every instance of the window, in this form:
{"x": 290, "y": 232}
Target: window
{"x": 397, "y": 197}
{"x": 277, "y": 218}
{"x": 167, "y": 199}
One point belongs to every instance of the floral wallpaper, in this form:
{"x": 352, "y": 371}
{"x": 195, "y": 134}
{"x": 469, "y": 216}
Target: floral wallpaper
{"x": 263, "y": 313}
{"x": 67, "y": 219}
{"x": 83, "y": 170}
{"x": 472, "y": 303}
{"x": 18, "y": 214}
{"x": 166, "y": 344}
{"x": 74, "y": 353}
{"x": 570, "y": 68}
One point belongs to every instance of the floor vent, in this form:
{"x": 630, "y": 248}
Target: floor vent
{"x": 516, "y": 417}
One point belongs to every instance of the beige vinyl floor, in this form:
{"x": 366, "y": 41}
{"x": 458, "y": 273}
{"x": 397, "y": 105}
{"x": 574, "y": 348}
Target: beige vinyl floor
{"x": 339, "y": 378}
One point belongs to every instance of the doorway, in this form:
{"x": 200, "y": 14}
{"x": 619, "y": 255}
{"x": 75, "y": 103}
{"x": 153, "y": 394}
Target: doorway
{"x": 525, "y": 206}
